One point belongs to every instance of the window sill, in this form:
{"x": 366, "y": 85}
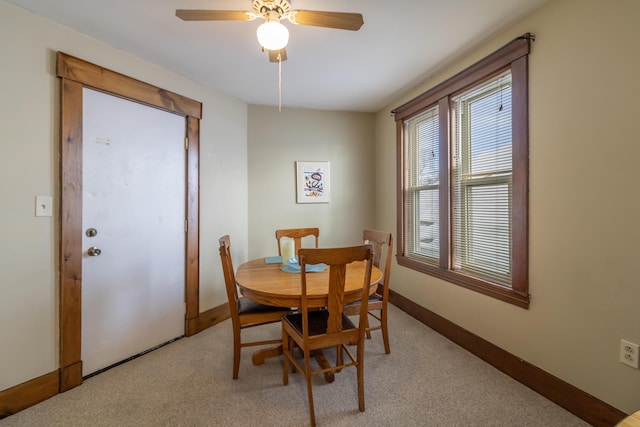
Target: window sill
{"x": 487, "y": 288}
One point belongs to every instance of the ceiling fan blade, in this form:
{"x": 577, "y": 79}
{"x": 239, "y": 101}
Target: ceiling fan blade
{"x": 273, "y": 55}
{"x": 212, "y": 15}
{"x": 339, "y": 20}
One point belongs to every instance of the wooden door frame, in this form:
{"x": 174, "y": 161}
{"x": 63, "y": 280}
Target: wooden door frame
{"x": 75, "y": 74}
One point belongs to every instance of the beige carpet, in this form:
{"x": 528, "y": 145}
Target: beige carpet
{"x": 425, "y": 381}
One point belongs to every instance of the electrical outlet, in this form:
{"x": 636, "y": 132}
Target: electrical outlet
{"x": 629, "y": 353}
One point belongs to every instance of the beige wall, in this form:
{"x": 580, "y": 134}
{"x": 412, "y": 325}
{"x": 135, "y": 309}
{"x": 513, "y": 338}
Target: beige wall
{"x": 29, "y": 148}
{"x": 276, "y": 141}
{"x": 584, "y": 204}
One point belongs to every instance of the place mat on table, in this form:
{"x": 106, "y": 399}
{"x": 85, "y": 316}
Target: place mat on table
{"x": 293, "y": 267}
{"x": 273, "y": 259}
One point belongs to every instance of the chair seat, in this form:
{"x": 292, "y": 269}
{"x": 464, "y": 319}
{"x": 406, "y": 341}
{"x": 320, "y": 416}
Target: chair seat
{"x": 317, "y": 322}
{"x": 246, "y": 306}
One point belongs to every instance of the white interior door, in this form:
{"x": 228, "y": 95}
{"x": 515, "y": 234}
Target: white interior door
{"x": 134, "y": 183}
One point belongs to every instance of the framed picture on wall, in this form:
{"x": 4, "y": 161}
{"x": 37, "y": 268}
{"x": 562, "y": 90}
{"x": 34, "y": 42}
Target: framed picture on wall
{"x": 312, "y": 182}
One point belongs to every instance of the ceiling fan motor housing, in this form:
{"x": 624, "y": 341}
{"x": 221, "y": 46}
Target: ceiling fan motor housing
{"x": 263, "y": 7}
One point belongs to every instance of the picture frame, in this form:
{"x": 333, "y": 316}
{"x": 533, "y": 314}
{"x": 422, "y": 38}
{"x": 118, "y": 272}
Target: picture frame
{"x": 313, "y": 182}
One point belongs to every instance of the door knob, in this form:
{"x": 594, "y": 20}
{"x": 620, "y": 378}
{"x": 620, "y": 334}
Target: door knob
{"x": 93, "y": 251}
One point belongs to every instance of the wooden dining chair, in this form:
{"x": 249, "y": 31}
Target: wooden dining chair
{"x": 296, "y": 234}
{"x": 244, "y": 312}
{"x": 313, "y": 330}
{"x": 382, "y": 242}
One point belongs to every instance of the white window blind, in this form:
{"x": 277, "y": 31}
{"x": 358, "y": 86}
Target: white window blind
{"x": 422, "y": 202}
{"x": 482, "y": 180}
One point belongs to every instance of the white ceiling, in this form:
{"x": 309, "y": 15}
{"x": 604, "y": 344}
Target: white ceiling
{"x": 400, "y": 44}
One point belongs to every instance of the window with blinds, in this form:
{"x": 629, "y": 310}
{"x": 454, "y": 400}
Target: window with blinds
{"x": 464, "y": 165}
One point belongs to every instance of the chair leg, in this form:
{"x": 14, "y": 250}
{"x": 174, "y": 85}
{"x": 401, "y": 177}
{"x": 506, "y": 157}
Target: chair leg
{"x": 307, "y": 377}
{"x": 385, "y": 331}
{"x": 360, "y": 374}
{"x": 286, "y": 348}
{"x": 236, "y": 353}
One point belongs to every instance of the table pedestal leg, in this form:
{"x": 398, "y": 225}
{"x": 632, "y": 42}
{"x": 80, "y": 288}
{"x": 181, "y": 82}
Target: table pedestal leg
{"x": 260, "y": 355}
{"x": 324, "y": 363}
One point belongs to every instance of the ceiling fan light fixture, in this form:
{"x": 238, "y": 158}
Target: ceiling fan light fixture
{"x": 272, "y": 35}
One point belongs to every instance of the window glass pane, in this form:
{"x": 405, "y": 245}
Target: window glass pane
{"x": 490, "y": 136}
{"x": 428, "y": 239}
{"x": 481, "y": 196}
{"x": 428, "y": 152}
{"x": 422, "y": 202}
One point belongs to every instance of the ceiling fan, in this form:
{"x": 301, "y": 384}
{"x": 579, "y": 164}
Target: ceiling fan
{"x": 272, "y": 35}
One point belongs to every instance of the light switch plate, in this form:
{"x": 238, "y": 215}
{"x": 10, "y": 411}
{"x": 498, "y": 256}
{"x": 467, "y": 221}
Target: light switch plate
{"x": 44, "y": 206}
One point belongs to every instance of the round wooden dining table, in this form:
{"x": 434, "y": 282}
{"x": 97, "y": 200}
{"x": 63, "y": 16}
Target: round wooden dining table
{"x": 268, "y": 284}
